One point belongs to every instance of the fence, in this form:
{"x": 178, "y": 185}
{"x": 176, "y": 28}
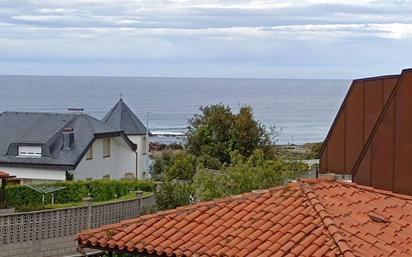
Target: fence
{"x": 27, "y": 231}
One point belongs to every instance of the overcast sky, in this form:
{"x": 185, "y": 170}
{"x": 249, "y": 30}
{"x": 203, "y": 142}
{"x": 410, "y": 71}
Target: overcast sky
{"x": 206, "y": 38}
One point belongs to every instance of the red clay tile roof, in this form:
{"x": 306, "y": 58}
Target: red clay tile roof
{"x": 4, "y": 174}
{"x": 306, "y": 218}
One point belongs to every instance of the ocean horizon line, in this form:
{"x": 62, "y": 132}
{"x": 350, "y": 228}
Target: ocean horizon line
{"x": 169, "y": 77}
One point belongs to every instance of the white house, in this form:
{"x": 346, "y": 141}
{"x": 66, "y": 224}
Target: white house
{"x": 45, "y": 147}
{"x": 123, "y": 118}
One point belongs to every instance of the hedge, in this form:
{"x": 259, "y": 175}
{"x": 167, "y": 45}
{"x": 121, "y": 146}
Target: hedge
{"x": 20, "y": 197}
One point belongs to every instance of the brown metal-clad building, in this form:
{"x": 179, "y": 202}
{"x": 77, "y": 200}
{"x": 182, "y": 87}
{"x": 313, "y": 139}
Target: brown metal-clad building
{"x": 354, "y": 122}
{"x": 386, "y": 160}
{"x": 371, "y": 137}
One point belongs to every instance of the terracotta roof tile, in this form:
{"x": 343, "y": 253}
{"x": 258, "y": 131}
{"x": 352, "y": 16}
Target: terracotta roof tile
{"x": 4, "y": 174}
{"x": 306, "y": 218}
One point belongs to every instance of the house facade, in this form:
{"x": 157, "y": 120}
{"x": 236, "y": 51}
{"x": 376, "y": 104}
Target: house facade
{"x": 49, "y": 147}
{"x": 107, "y": 158}
{"x": 123, "y": 118}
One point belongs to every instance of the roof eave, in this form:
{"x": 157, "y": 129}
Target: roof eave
{"x": 38, "y": 165}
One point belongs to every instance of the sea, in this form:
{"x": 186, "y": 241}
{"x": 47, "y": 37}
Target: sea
{"x": 300, "y": 110}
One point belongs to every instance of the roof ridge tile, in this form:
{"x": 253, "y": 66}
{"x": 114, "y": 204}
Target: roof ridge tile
{"x": 327, "y": 219}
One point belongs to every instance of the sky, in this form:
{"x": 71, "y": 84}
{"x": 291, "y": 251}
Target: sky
{"x": 206, "y": 38}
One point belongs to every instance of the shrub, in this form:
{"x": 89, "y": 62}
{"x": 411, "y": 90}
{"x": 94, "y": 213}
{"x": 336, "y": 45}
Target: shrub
{"x": 313, "y": 150}
{"x": 163, "y": 162}
{"x": 245, "y": 175}
{"x": 24, "y": 198}
{"x": 174, "y": 194}
{"x": 242, "y": 175}
{"x": 183, "y": 166}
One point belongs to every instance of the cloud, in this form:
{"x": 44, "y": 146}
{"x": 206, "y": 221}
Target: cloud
{"x": 260, "y": 34}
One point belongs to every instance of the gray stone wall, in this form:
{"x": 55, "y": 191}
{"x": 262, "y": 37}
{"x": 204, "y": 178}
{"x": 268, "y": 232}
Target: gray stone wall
{"x": 51, "y": 232}
{"x": 52, "y": 247}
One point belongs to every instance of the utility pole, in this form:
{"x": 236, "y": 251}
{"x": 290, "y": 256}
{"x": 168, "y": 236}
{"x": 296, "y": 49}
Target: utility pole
{"x": 147, "y": 142}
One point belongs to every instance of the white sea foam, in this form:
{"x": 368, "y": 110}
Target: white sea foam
{"x": 167, "y": 133}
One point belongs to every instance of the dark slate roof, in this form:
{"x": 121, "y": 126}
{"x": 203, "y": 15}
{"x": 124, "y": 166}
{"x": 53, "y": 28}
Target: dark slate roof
{"x": 46, "y": 130}
{"x": 121, "y": 117}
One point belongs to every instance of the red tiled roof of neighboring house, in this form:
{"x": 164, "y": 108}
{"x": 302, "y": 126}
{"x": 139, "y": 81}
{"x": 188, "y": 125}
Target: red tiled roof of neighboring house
{"x": 305, "y": 218}
{"x": 4, "y": 174}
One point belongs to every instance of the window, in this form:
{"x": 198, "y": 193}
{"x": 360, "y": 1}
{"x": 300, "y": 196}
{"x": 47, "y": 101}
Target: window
{"x": 106, "y": 147}
{"x": 89, "y": 154}
{"x": 144, "y": 145}
{"x": 129, "y": 175}
{"x": 29, "y": 151}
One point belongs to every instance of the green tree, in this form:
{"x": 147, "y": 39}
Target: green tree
{"x": 216, "y": 132}
{"x": 247, "y": 134}
{"x": 226, "y": 154}
{"x": 209, "y": 132}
